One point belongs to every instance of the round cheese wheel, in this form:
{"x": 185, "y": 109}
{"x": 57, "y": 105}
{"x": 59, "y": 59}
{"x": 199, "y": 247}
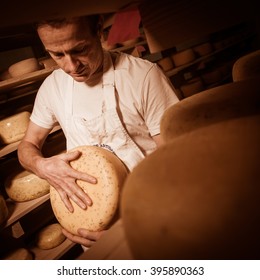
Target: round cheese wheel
{"x": 23, "y": 67}
{"x": 193, "y": 86}
{"x": 24, "y": 186}
{"x": 110, "y": 173}
{"x": 183, "y": 57}
{"x": 48, "y": 62}
{"x": 197, "y": 196}
{"x": 5, "y": 75}
{"x": 165, "y": 63}
{"x": 13, "y": 128}
{"x": 50, "y": 237}
{"x": 203, "y": 49}
{"x": 3, "y": 210}
{"x": 20, "y": 254}
{"x": 247, "y": 66}
{"x": 229, "y": 101}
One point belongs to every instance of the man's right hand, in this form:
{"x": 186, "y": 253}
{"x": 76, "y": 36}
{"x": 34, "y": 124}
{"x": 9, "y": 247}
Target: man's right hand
{"x": 58, "y": 172}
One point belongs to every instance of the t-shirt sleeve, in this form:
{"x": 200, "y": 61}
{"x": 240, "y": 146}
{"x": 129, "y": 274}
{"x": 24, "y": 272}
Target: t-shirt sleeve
{"x": 42, "y": 113}
{"x": 158, "y": 95}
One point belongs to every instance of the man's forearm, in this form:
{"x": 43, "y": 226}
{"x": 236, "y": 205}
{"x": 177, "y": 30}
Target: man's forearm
{"x": 29, "y": 156}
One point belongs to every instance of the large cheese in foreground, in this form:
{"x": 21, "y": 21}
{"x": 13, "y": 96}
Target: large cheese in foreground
{"x": 24, "y": 186}
{"x": 110, "y": 173}
{"x": 197, "y": 196}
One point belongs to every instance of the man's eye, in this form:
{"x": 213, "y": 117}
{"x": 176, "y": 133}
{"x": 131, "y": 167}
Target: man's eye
{"x": 58, "y": 55}
{"x": 82, "y": 50}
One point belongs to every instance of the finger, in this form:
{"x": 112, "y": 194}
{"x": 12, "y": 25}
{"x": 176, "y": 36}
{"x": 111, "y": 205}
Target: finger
{"x": 79, "y": 202}
{"x": 86, "y": 177}
{"x": 83, "y": 176}
{"x": 77, "y": 194}
{"x": 74, "y": 173}
{"x": 91, "y": 235}
{"x": 78, "y": 239}
{"x": 82, "y": 198}
{"x": 69, "y": 156}
{"x": 65, "y": 199}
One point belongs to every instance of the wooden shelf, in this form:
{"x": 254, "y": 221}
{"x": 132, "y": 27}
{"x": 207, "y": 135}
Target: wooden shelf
{"x": 30, "y": 77}
{"x": 13, "y": 146}
{"x": 180, "y": 68}
{"x": 125, "y": 48}
{"x": 52, "y": 254}
{"x": 12, "y": 98}
{"x": 18, "y": 209}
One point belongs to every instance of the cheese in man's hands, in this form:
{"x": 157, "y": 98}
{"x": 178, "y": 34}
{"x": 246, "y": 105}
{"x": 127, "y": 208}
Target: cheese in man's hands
{"x": 110, "y": 173}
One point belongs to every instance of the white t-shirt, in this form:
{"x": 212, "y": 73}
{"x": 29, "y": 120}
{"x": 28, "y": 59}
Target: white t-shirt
{"x": 143, "y": 94}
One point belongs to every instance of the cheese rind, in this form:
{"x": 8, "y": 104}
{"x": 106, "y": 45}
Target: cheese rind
{"x": 13, "y": 128}
{"x": 203, "y": 49}
{"x": 192, "y": 87}
{"x": 50, "y": 237}
{"x": 110, "y": 173}
{"x": 19, "y": 254}
{"x": 183, "y": 57}
{"x": 229, "y": 101}
{"x": 24, "y": 67}
{"x": 165, "y": 63}
{"x": 24, "y": 186}
{"x": 205, "y": 187}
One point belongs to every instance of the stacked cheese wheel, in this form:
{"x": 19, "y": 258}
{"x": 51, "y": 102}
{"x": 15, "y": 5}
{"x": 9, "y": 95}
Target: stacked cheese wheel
{"x": 19, "y": 254}
{"x": 183, "y": 57}
{"x": 24, "y": 67}
{"x": 210, "y": 106}
{"x": 50, "y": 236}
{"x": 204, "y": 182}
{"x": 13, "y": 128}
{"x": 24, "y": 186}
{"x": 203, "y": 49}
{"x": 166, "y": 63}
{"x": 247, "y": 66}
{"x": 193, "y": 86}
{"x": 110, "y": 173}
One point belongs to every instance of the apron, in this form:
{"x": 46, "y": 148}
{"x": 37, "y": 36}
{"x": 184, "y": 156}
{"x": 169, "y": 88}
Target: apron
{"x": 105, "y": 130}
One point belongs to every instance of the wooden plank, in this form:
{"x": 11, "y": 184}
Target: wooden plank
{"x": 5, "y": 150}
{"x": 168, "y": 23}
{"x": 26, "y": 78}
{"x": 18, "y": 210}
{"x": 11, "y": 10}
{"x": 54, "y": 253}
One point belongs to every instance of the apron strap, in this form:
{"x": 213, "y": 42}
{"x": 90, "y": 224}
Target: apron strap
{"x": 109, "y": 82}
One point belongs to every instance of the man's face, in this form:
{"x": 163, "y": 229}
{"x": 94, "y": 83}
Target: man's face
{"x": 74, "y": 49}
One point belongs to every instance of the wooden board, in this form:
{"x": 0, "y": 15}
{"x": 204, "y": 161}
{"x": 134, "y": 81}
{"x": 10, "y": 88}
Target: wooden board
{"x": 34, "y": 11}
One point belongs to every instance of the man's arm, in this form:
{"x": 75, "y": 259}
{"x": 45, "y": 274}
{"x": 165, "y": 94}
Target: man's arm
{"x": 56, "y": 169}
{"x": 158, "y": 140}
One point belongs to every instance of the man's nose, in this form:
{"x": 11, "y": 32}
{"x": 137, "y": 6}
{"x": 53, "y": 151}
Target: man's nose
{"x": 71, "y": 64}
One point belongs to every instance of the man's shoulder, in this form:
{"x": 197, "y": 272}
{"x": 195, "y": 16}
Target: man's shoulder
{"x": 124, "y": 60}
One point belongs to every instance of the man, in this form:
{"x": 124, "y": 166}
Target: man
{"x": 98, "y": 98}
